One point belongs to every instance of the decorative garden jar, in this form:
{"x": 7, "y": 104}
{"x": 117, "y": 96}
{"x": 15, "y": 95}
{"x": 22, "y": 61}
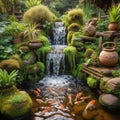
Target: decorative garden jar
{"x": 108, "y": 56}
{"x": 113, "y": 26}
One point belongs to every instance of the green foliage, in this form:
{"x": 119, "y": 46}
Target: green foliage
{"x": 15, "y": 28}
{"x": 38, "y": 14}
{"x": 30, "y": 31}
{"x": 71, "y": 54}
{"x": 116, "y": 73}
{"x": 102, "y": 25}
{"x": 6, "y": 47}
{"x": 7, "y": 80}
{"x": 92, "y": 82}
{"x": 32, "y": 3}
{"x": 114, "y": 13}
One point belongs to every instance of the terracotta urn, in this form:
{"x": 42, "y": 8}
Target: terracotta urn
{"x": 113, "y": 26}
{"x": 108, "y": 56}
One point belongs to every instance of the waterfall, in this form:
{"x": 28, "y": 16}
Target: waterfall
{"x": 55, "y": 61}
{"x": 59, "y": 33}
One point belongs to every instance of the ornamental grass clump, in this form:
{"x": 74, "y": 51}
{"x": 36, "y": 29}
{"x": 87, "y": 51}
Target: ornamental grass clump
{"x": 7, "y": 80}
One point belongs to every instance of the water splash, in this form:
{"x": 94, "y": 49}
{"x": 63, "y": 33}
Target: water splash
{"x": 59, "y": 33}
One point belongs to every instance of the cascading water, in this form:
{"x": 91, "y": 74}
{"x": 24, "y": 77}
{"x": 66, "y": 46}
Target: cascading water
{"x": 59, "y": 33}
{"x": 55, "y": 64}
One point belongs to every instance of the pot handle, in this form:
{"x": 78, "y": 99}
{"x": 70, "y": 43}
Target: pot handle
{"x": 110, "y": 43}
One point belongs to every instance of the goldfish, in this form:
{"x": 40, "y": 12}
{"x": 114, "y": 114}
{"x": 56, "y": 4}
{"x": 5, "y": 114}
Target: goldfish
{"x": 43, "y": 111}
{"x": 36, "y": 93}
{"x": 48, "y": 108}
{"x": 38, "y": 89}
{"x": 90, "y": 105}
{"x": 61, "y": 107}
{"x": 89, "y": 111}
{"x": 78, "y": 102}
{"x": 85, "y": 97}
{"x": 78, "y": 96}
{"x": 70, "y": 99}
{"x": 40, "y": 101}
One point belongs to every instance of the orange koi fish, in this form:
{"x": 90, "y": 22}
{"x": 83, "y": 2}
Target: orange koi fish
{"x": 43, "y": 111}
{"x": 48, "y": 108}
{"x": 36, "y": 93}
{"x": 90, "y": 105}
{"x": 40, "y": 101}
{"x": 70, "y": 99}
{"x": 38, "y": 89}
{"x": 85, "y": 97}
{"x": 61, "y": 107}
{"x": 78, "y": 96}
{"x": 78, "y": 102}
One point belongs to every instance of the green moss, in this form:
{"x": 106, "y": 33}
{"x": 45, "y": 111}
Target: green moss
{"x": 17, "y": 105}
{"x": 71, "y": 53}
{"x": 88, "y": 52}
{"x": 10, "y": 64}
{"x": 75, "y": 16}
{"x": 69, "y": 37}
{"x": 38, "y": 14}
{"x": 73, "y": 27}
{"x": 92, "y": 82}
{"x": 77, "y": 73}
{"x": 42, "y": 52}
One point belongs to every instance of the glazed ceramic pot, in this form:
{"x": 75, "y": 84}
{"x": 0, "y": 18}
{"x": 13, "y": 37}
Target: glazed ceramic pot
{"x": 108, "y": 56}
{"x": 113, "y": 26}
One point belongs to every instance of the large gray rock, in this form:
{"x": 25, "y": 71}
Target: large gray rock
{"x": 111, "y": 86}
{"x": 109, "y": 100}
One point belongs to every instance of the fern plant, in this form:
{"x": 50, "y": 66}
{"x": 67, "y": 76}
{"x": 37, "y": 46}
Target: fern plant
{"x": 32, "y": 3}
{"x": 114, "y": 13}
{"x": 7, "y": 80}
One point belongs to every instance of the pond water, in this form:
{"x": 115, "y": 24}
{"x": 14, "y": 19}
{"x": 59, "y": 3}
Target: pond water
{"x": 57, "y": 100}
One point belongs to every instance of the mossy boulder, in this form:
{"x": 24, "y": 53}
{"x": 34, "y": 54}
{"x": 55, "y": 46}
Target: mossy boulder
{"x": 75, "y": 16}
{"x": 109, "y": 101}
{"x": 92, "y": 82}
{"x": 73, "y": 27}
{"x": 111, "y": 86}
{"x": 38, "y": 14}
{"x": 17, "y": 105}
{"x": 10, "y": 64}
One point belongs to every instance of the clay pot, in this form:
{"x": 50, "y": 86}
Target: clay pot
{"x": 113, "y": 26}
{"x": 108, "y": 56}
{"x": 35, "y": 44}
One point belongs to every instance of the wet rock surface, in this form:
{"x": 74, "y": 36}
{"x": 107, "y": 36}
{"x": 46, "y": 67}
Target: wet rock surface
{"x": 109, "y": 100}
